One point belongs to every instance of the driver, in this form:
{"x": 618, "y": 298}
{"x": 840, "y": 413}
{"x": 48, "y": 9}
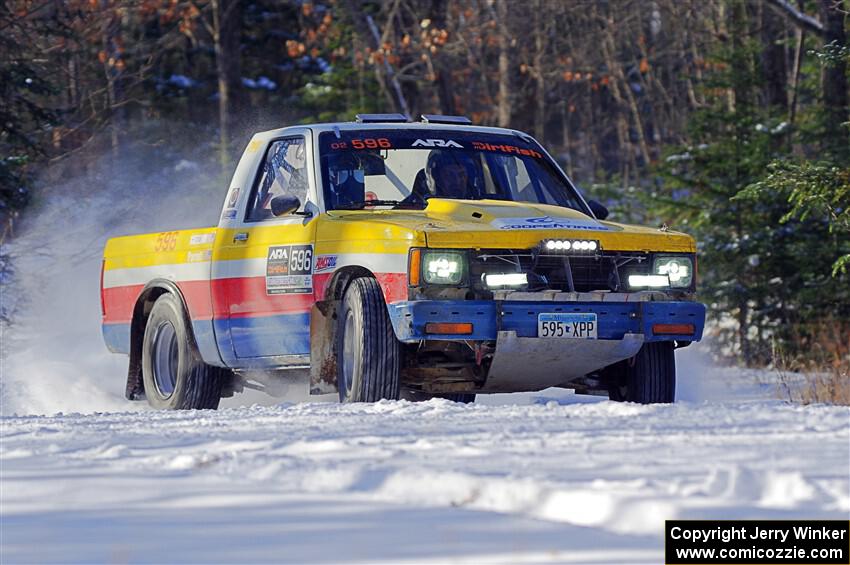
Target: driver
{"x": 347, "y": 178}
{"x": 447, "y": 174}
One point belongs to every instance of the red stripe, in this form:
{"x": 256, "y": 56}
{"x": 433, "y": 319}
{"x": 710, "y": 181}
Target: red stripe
{"x": 120, "y": 301}
{"x": 239, "y": 297}
{"x": 394, "y": 286}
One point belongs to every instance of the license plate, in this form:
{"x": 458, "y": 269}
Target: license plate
{"x": 571, "y": 326}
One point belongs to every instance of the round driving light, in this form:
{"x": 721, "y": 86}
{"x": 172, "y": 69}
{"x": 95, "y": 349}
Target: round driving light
{"x": 559, "y": 245}
{"x": 550, "y": 245}
{"x": 592, "y": 246}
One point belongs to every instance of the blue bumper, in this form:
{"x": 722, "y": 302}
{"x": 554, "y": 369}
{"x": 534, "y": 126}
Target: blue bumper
{"x": 488, "y": 317}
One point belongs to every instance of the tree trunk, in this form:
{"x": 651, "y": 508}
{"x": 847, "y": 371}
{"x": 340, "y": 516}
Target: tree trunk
{"x": 504, "y": 64}
{"x": 385, "y": 75}
{"x": 227, "y": 36}
{"x": 835, "y": 98}
{"x": 443, "y": 78}
{"x": 773, "y": 60}
{"x": 539, "y": 76}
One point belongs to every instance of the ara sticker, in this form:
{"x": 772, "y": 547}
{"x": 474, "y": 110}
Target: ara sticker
{"x": 202, "y": 239}
{"x": 547, "y": 223}
{"x": 436, "y": 143}
{"x": 325, "y": 263}
{"x": 289, "y": 269}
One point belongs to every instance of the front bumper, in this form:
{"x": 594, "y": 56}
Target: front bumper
{"x": 619, "y": 317}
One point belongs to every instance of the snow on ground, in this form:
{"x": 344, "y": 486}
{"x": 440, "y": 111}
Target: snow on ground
{"x": 543, "y": 477}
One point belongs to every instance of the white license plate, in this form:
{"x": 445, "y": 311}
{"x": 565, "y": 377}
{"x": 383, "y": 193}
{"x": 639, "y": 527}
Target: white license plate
{"x": 571, "y": 326}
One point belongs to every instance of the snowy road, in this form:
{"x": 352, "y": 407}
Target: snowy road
{"x": 524, "y": 478}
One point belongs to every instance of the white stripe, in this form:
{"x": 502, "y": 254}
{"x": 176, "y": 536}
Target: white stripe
{"x": 143, "y": 275}
{"x": 239, "y": 268}
{"x": 375, "y": 262}
{"x": 181, "y": 272}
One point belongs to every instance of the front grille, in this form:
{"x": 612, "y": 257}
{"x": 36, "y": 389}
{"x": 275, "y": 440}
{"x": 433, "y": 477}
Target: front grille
{"x": 569, "y": 273}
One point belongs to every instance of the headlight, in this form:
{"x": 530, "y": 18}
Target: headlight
{"x": 443, "y": 267}
{"x": 679, "y": 269}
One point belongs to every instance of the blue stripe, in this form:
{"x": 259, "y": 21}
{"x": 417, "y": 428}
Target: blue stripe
{"x": 205, "y": 338}
{"x": 263, "y": 336}
{"x": 117, "y": 337}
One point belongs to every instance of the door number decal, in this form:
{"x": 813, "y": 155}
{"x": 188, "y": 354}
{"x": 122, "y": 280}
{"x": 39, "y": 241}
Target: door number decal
{"x": 289, "y": 269}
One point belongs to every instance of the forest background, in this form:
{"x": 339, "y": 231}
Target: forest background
{"x": 727, "y": 119}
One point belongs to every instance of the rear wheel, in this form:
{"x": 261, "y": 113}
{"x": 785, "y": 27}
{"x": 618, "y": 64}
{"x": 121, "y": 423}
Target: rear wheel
{"x": 174, "y": 376}
{"x": 650, "y": 379}
{"x": 368, "y": 353}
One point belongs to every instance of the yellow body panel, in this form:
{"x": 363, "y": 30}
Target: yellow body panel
{"x": 451, "y": 224}
{"x": 161, "y": 248}
{"x": 444, "y": 223}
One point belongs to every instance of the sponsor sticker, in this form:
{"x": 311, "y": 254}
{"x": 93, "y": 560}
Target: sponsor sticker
{"x": 289, "y": 269}
{"x": 229, "y": 214}
{"x": 325, "y": 263}
{"x": 202, "y": 239}
{"x": 199, "y": 256}
{"x": 547, "y": 223}
{"x": 233, "y": 197}
{"x": 481, "y": 146}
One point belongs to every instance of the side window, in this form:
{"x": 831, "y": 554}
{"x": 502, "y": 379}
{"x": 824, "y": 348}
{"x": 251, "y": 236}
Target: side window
{"x": 284, "y": 171}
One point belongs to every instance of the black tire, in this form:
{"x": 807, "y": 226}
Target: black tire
{"x": 370, "y": 362}
{"x": 462, "y": 397}
{"x": 651, "y": 379}
{"x": 174, "y": 376}
{"x": 419, "y": 396}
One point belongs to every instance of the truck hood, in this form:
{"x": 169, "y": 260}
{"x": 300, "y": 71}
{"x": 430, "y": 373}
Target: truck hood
{"x": 517, "y": 225}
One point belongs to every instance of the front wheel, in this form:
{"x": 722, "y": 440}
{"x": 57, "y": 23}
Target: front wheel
{"x": 650, "y": 378}
{"x": 368, "y": 353}
{"x": 174, "y": 376}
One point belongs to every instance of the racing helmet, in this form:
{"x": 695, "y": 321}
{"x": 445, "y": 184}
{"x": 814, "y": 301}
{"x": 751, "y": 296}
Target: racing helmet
{"x": 451, "y": 174}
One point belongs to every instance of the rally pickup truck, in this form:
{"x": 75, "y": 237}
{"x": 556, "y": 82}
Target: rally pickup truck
{"x": 386, "y": 259}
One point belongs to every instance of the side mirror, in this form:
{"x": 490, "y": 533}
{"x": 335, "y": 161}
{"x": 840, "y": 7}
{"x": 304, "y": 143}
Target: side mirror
{"x": 600, "y": 211}
{"x": 284, "y": 204}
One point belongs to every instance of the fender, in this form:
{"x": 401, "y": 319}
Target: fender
{"x": 205, "y": 347}
{"x": 323, "y": 328}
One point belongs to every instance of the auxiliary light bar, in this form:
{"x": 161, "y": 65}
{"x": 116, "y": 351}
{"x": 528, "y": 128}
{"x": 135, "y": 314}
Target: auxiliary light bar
{"x": 506, "y": 279}
{"x": 570, "y": 245}
{"x": 651, "y": 281}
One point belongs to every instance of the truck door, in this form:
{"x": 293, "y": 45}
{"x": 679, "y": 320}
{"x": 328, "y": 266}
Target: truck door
{"x": 262, "y": 272}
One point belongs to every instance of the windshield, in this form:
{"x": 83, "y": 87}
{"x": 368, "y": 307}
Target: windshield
{"x": 405, "y": 167}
